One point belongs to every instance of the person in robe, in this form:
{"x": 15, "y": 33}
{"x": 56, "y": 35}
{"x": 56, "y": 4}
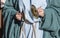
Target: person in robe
{"x": 50, "y": 19}
{"x": 12, "y": 19}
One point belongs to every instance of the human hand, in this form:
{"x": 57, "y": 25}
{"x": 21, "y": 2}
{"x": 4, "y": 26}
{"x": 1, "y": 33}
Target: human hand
{"x": 18, "y": 16}
{"x": 40, "y": 12}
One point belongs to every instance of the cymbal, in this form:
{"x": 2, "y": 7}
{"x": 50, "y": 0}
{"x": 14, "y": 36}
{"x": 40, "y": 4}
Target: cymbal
{"x": 34, "y": 11}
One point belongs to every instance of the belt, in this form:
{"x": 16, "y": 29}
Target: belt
{"x": 26, "y": 21}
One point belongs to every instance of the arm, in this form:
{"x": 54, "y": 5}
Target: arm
{"x": 50, "y": 21}
{"x": 10, "y": 9}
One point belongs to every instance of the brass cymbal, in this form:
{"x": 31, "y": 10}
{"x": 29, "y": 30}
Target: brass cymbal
{"x": 34, "y": 11}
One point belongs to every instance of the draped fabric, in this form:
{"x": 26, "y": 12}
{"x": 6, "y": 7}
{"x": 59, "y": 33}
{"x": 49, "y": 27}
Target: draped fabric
{"x": 11, "y": 25}
{"x": 50, "y": 25}
{"x": 51, "y": 20}
{"x": 28, "y": 28}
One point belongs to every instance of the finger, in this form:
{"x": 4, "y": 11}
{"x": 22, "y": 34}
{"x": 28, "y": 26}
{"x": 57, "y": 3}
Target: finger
{"x": 19, "y": 14}
{"x": 18, "y": 18}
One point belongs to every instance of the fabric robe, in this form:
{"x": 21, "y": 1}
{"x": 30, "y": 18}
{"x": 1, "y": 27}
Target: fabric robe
{"x": 50, "y": 25}
{"x": 28, "y": 27}
{"x": 51, "y": 20}
{"x": 11, "y": 25}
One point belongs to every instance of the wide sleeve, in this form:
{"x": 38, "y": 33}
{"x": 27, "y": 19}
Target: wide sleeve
{"x": 11, "y": 26}
{"x": 9, "y": 8}
{"x": 50, "y": 20}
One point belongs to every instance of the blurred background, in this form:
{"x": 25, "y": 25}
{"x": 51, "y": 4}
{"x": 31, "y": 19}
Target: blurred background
{"x": 1, "y": 17}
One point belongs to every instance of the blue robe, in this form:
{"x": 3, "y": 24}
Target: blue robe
{"x": 50, "y": 25}
{"x": 51, "y": 19}
{"x": 12, "y": 26}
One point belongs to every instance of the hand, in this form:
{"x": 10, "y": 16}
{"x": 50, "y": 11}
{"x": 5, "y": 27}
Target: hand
{"x": 3, "y": 1}
{"x": 18, "y": 16}
{"x": 40, "y": 12}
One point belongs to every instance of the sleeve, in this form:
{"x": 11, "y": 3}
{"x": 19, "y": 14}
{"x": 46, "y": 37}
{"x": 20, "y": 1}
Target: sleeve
{"x": 11, "y": 26}
{"x": 50, "y": 21}
{"x": 9, "y": 8}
